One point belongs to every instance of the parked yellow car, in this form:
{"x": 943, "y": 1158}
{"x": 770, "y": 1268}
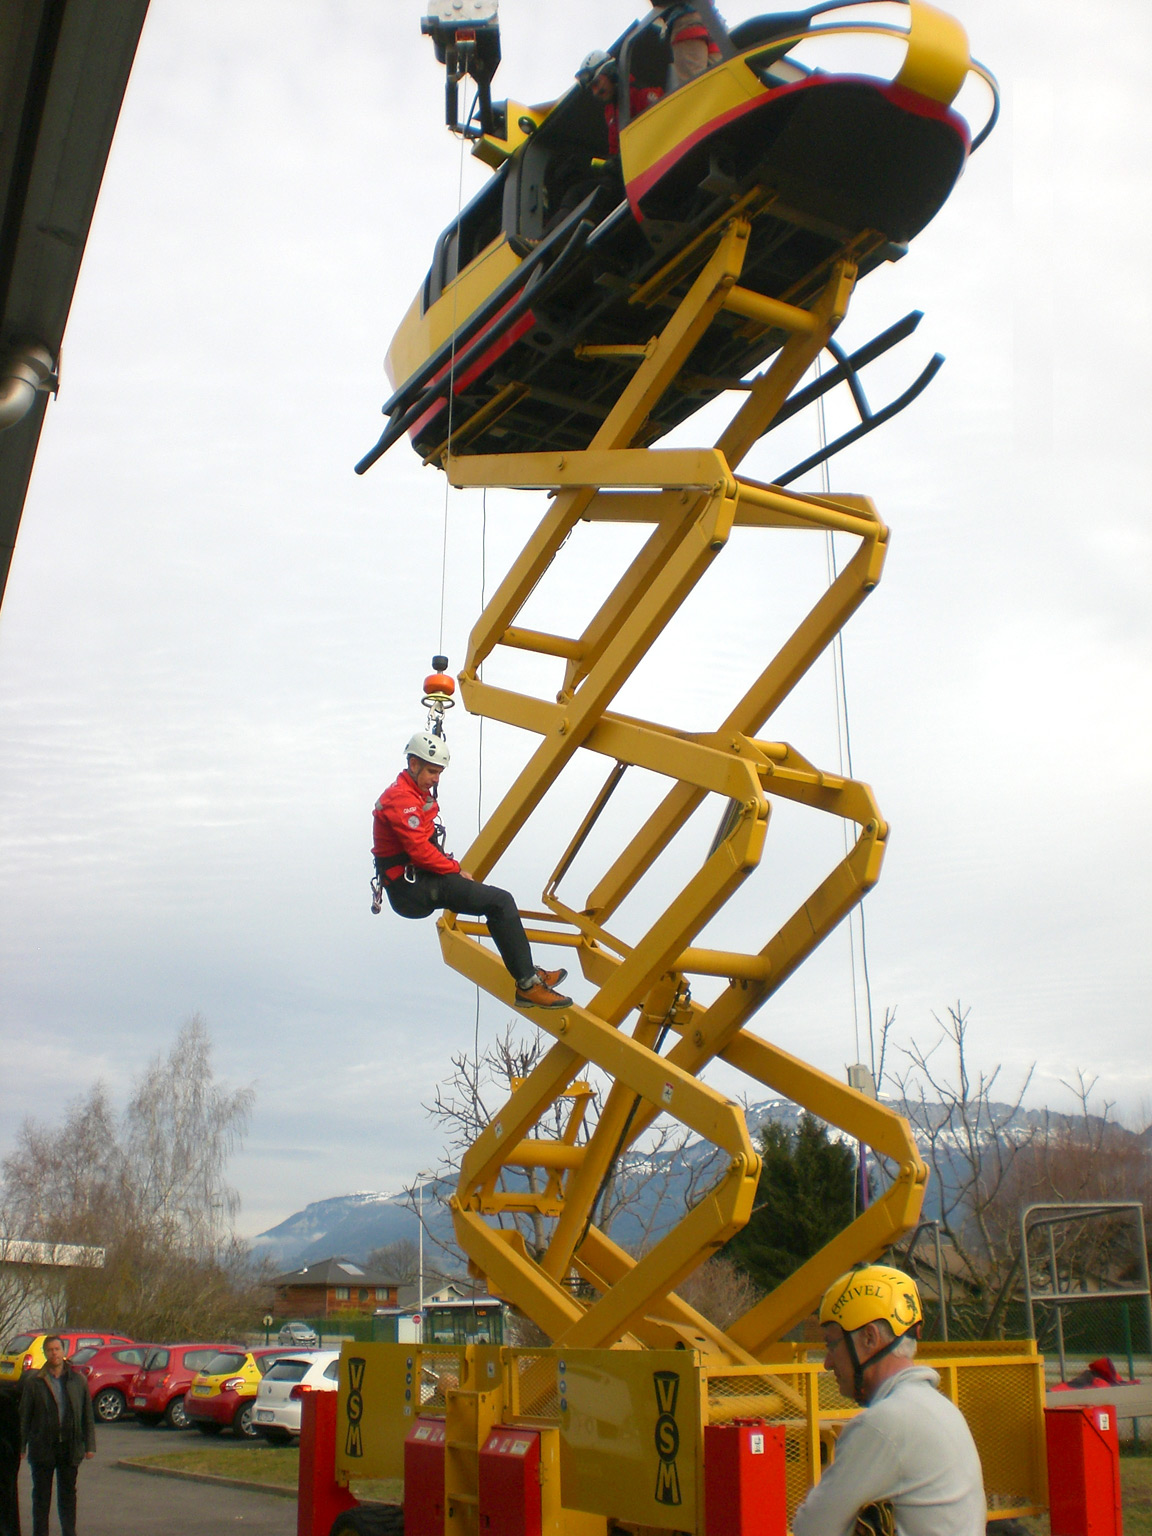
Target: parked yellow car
{"x": 25, "y": 1352}
{"x": 223, "y": 1394}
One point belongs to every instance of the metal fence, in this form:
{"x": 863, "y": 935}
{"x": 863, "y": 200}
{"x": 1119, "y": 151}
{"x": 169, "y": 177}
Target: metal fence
{"x": 1086, "y": 1284}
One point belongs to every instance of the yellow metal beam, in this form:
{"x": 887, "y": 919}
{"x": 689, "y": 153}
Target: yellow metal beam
{"x": 718, "y": 1025}
{"x": 718, "y": 1216}
{"x": 770, "y": 313}
{"x": 699, "y": 469}
{"x": 634, "y": 634}
{"x": 763, "y": 698}
{"x": 865, "y": 1239}
{"x": 789, "y": 366}
{"x": 544, "y": 1154}
{"x": 600, "y": 1261}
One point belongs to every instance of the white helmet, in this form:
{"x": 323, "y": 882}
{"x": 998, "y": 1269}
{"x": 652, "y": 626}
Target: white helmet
{"x": 429, "y": 749}
{"x": 596, "y": 64}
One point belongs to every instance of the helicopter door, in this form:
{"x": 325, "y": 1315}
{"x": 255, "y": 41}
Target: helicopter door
{"x": 555, "y": 159}
{"x": 525, "y": 194}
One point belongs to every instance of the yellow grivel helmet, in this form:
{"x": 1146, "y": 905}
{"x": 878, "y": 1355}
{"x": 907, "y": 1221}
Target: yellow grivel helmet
{"x": 874, "y": 1294}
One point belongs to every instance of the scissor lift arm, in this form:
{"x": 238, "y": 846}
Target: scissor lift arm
{"x": 692, "y": 499}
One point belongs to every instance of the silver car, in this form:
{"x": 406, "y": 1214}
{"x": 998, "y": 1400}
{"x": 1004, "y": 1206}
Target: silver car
{"x": 282, "y": 1388}
{"x": 299, "y": 1335}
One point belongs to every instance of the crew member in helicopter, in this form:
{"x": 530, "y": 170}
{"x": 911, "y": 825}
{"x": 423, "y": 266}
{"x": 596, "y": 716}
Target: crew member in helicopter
{"x": 694, "y": 49}
{"x": 599, "y": 75}
{"x": 418, "y": 877}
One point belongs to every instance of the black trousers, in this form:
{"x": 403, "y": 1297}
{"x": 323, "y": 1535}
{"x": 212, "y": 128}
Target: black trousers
{"x": 9, "y": 1502}
{"x": 65, "y": 1469}
{"x": 428, "y": 893}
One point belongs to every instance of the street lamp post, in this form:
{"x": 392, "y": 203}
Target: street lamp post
{"x": 426, "y": 1175}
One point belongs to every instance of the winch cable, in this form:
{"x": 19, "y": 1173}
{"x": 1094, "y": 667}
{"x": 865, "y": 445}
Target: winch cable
{"x": 444, "y": 568}
{"x": 844, "y": 751}
{"x": 452, "y": 382}
{"x": 480, "y": 768}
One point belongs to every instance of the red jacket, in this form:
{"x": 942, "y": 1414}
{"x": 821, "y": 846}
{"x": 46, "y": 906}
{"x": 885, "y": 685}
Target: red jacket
{"x": 640, "y": 98}
{"x": 403, "y": 822}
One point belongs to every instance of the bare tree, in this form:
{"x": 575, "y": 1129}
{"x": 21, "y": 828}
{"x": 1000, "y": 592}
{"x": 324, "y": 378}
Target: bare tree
{"x": 464, "y": 1104}
{"x": 27, "y": 1289}
{"x": 990, "y": 1157}
{"x": 641, "y": 1178}
{"x": 62, "y": 1182}
{"x": 180, "y": 1129}
{"x": 1082, "y": 1158}
{"x": 971, "y": 1143}
{"x": 148, "y": 1187}
{"x": 720, "y": 1290}
{"x": 399, "y": 1260}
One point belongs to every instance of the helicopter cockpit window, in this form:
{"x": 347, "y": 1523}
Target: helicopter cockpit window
{"x": 769, "y": 65}
{"x": 478, "y": 225}
{"x": 645, "y": 62}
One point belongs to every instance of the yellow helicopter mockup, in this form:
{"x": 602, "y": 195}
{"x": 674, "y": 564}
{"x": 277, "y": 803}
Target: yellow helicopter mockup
{"x": 542, "y": 290}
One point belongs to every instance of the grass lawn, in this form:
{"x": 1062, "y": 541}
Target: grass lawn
{"x": 1136, "y": 1497}
{"x": 1136, "y": 1483}
{"x": 259, "y": 1462}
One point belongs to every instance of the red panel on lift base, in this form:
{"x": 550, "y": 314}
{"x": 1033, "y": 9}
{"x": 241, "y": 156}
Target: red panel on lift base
{"x": 424, "y": 1478}
{"x": 744, "y": 1489}
{"x": 510, "y": 1498}
{"x": 320, "y": 1498}
{"x": 1083, "y": 1470}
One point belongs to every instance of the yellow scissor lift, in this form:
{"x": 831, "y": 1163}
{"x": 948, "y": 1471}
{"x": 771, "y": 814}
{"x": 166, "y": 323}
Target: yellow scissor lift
{"x": 622, "y": 1330}
{"x": 622, "y": 1400}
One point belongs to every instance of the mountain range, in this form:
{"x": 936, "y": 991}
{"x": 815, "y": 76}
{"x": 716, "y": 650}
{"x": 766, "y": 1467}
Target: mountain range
{"x": 351, "y": 1226}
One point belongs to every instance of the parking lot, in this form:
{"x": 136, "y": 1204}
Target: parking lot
{"x": 113, "y": 1500}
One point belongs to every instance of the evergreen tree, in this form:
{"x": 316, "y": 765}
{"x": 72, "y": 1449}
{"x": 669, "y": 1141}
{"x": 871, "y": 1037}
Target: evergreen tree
{"x": 806, "y": 1195}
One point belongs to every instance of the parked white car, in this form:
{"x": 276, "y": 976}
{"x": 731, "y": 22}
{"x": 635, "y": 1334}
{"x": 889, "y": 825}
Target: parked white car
{"x": 282, "y": 1389}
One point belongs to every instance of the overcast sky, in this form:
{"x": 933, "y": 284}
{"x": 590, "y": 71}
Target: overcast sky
{"x": 214, "y": 634}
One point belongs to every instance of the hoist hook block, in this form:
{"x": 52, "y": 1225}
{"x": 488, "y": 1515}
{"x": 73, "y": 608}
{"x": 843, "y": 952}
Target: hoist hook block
{"x": 439, "y": 686}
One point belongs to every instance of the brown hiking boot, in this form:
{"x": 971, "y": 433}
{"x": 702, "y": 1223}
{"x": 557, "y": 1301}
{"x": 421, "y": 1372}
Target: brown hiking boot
{"x": 540, "y": 996}
{"x": 551, "y": 978}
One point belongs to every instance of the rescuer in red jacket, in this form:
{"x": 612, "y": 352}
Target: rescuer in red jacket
{"x": 600, "y": 74}
{"x": 418, "y": 877}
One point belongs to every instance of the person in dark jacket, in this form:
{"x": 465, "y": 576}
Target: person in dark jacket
{"x": 9, "y": 1458}
{"x": 58, "y": 1431}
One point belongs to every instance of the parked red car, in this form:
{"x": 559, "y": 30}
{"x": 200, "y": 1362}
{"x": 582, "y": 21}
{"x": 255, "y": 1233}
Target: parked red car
{"x": 110, "y": 1372}
{"x": 159, "y": 1386}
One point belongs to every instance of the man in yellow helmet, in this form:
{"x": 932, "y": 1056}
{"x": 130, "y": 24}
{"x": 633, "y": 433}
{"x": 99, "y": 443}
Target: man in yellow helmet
{"x": 908, "y": 1466}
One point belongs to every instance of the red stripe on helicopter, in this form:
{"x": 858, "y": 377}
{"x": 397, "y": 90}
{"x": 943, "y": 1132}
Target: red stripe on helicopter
{"x": 899, "y": 95}
{"x": 509, "y": 339}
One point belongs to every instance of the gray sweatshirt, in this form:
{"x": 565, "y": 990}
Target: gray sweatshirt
{"x": 910, "y": 1447}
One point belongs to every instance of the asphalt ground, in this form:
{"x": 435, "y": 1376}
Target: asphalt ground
{"x": 114, "y": 1501}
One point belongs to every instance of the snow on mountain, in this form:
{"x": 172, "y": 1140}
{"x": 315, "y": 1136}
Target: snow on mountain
{"x": 351, "y": 1226}
{"x": 348, "y": 1226}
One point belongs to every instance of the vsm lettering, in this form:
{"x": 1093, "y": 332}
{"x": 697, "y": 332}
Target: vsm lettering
{"x": 354, "y": 1444}
{"x": 667, "y": 1384}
